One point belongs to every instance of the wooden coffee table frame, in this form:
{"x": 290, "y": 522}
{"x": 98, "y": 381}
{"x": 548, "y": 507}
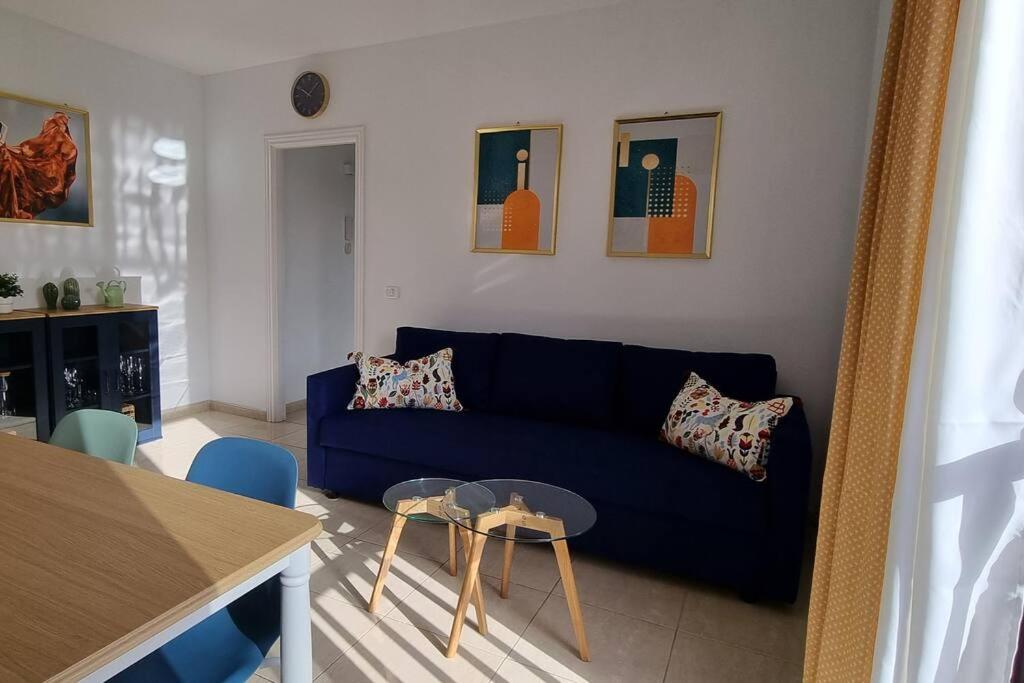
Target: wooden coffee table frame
{"x": 428, "y": 506}
{"x": 513, "y": 516}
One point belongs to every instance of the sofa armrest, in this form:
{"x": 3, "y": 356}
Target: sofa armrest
{"x": 327, "y": 393}
{"x": 789, "y": 477}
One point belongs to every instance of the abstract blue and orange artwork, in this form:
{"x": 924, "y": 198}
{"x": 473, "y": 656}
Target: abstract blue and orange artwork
{"x": 663, "y": 186}
{"x": 517, "y": 189}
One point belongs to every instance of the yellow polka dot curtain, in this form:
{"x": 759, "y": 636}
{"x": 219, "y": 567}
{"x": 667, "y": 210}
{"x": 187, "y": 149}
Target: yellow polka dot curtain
{"x": 878, "y": 336}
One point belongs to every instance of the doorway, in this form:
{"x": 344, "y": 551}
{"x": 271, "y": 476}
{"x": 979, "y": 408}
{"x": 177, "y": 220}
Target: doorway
{"x": 315, "y": 258}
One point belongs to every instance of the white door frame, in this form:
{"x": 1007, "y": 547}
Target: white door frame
{"x": 276, "y": 143}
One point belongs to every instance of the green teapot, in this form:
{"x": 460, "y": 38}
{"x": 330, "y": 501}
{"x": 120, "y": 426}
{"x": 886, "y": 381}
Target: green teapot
{"x": 113, "y": 292}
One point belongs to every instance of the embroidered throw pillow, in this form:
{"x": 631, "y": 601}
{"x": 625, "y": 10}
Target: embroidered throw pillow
{"x": 423, "y": 383}
{"x": 733, "y": 433}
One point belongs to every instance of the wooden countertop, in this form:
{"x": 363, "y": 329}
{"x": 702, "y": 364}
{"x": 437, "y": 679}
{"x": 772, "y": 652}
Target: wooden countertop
{"x": 96, "y": 557}
{"x": 90, "y": 309}
{"x": 21, "y": 314}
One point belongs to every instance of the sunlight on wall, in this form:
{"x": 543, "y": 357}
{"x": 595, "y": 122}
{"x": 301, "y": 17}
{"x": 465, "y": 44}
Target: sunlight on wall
{"x": 150, "y": 204}
{"x": 171, "y": 169}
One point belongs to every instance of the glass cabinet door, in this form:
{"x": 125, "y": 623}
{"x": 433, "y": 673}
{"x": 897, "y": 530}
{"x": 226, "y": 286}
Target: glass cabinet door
{"x": 107, "y": 359}
{"x": 78, "y": 373}
{"x": 137, "y": 379}
{"x": 24, "y": 409}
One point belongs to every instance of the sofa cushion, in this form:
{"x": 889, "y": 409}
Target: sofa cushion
{"x": 555, "y": 379}
{"x": 472, "y": 362}
{"x": 612, "y": 467}
{"x": 736, "y": 434}
{"x": 421, "y": 383}
{"x": 651, "y": 378}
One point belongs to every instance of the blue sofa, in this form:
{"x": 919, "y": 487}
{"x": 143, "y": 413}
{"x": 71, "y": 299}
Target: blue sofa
{"x": 584, "y": 415}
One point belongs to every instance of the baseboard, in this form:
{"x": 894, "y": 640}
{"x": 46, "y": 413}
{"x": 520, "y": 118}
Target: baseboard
{"x": 178, "y": 412}
{"x": 241, "y": 411}
{"x": 295, "y": 406}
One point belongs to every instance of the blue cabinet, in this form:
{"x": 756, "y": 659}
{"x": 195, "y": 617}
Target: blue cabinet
{"x": 23, "y": 359}
{"x": 106, "y": 358}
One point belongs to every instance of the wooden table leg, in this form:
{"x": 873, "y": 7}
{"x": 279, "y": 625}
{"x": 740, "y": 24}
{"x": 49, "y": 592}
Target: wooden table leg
{"x": 453, "y": 558}
{"x": 468, "y": 583}
{"x": 561, "y": 549}
{"x": 478, "y": 591}
{"x": 385, "y": 563}
{"x": 506, "y": 568}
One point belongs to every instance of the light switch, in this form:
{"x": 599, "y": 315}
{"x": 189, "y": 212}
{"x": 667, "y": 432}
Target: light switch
{"x": 392, "y": 292}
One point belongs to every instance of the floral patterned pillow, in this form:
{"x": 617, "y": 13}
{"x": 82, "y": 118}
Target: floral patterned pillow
{"x": 733, "y": 433}
{"x": 423, "y": 383}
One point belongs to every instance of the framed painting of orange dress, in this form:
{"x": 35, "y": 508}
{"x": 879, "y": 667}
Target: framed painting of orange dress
{"x": 515, "y": 189}
{"x": 664, "y": 170}
{"x": 45, "y": 169}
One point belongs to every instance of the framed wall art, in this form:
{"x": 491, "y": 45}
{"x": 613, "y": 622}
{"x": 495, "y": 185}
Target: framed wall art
{"x": 45, "y": 168}
{"x": 515, "y": 189}
{"x": 664, "y": 170}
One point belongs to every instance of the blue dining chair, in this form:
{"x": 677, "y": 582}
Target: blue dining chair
{"x": 229, "y": 645}
{"x": 99, "y": 433}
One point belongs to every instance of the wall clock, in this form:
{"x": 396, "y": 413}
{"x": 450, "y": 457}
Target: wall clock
{"x": 310, "y": 94}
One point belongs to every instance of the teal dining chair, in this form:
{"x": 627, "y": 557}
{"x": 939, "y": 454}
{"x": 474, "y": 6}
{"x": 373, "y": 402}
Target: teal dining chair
{"x": 99, "y": 433}
{"x": 229, "y": 645}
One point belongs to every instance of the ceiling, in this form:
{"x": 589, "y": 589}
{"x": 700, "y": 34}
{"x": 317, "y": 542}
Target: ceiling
{"x": 210, "y": 36}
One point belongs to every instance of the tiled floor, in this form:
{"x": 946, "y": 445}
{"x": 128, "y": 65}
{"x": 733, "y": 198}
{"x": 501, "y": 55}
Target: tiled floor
{"x": 642, "y": 627}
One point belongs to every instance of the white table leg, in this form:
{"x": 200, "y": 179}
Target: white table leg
{"x": 296, "y": 636}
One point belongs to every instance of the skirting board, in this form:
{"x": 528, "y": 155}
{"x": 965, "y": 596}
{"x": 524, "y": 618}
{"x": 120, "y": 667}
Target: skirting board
{"x": 178, "y": 412}
{"x": 295, "y": 406}
{"x": 202, "y": 406}
{"x": 241, "y": 411}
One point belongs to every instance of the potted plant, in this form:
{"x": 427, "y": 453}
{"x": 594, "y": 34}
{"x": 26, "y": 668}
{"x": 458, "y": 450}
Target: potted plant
{"x": 9, "y": 289}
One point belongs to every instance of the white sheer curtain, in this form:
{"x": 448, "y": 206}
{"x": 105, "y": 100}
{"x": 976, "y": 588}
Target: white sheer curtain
{"x": 955, "y": 565}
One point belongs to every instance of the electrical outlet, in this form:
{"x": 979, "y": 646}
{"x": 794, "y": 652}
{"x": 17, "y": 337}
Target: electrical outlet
{"x": 392, "y": 292}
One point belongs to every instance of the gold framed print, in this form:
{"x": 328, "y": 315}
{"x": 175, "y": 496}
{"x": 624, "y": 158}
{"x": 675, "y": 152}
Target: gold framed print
{"x": 45, "y": 168}
{"x": 664, "y": 171}
{"x": 515, "y": 189}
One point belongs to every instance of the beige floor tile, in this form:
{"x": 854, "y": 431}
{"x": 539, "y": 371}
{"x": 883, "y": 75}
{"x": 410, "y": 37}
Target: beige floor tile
{"x": 300, "y": 459}
{"x": 627, "y": 591}
{"x": 394, "y": 651}
{"x": 621, "y": 648}
{"x": 774, "y": 630}
{"x": 792, "y": 672}
{"x": 711, "y": 661}
{"x": 432, "y": 607}
{"x": 296, "y": 416}
{"x": 339, "y": 516}
{"x": 296, "y": 438}
{"x": 211, "y": 420}
{"x": 336, "y": 626}
{"x": 167, "y": 457}
{"x": 264, "y": 431}
{"x": 512, "y": 671}
{"x": 418, "y": 538}
{"x": 533, "y": 564}
{"x": 348, "y": 571}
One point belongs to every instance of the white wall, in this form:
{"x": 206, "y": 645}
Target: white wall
{"x": 153, "y": 231}
{"x": 793, "y": 80}
{"x": 317, "y": 325}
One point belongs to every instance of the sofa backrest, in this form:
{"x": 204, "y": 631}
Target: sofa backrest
{"x": 650, "y": 379}
{"x": 561, "y": 380}
{"x": 597, "y": 383}
{"x": 473, "y": 358}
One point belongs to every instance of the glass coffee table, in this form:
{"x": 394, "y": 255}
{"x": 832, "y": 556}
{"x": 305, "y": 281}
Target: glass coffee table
{"x": 517, "y": 511}
{"x": 420, "y": 500}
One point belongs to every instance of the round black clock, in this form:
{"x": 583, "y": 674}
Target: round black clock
{"x": 310, "y": 94}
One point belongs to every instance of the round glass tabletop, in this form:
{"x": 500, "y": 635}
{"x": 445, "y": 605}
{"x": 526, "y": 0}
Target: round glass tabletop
{"x": 410, "y": 499}
{"x": 541, "y": 512}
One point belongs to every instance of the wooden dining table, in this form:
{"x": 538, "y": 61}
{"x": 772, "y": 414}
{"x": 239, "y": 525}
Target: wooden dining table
{"x": 102, "y": 563}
